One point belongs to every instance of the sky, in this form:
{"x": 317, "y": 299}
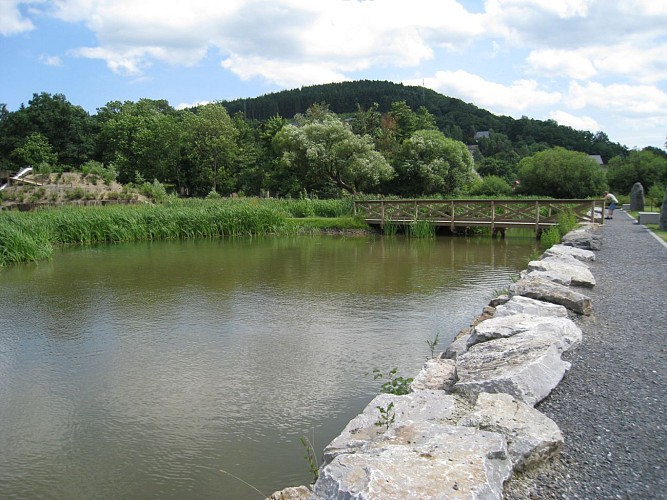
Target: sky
{"x": 596, "y": 65}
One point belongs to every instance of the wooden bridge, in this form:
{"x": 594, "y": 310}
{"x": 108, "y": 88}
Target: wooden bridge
{"x": 496, "y": 215}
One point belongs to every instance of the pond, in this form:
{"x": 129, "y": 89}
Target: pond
{"x": 192, "y": 369}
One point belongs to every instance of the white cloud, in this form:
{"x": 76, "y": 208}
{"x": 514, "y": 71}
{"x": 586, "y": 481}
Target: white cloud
{"x": 629, "y": 100}
{"x": 12, "y": 21}
{"x": 576, "y": 122}
{"x": 286, "y": 75}
{"x": 186, "y": 105}
{"x": 50, "y": 60}
{"x": 562, "y": 63}
{"x": 496, "y": 97}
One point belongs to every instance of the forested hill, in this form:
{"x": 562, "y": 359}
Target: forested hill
{"x": 457, "y": 119}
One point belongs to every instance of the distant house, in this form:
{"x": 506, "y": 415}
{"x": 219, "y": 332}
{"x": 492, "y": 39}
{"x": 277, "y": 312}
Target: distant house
{"x": 485, "y": 134}
{"x": 597, "y": 158}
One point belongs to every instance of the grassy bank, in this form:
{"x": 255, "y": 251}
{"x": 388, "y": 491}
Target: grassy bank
{"x": 33, "y": 236}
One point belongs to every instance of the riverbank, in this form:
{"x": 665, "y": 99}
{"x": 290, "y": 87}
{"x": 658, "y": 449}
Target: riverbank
{"x": 32, "y": 236}
{"x": 597, "y": 378}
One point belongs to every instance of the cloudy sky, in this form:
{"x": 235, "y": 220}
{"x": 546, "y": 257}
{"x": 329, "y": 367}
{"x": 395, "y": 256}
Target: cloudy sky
{"x": 590, "y": 64}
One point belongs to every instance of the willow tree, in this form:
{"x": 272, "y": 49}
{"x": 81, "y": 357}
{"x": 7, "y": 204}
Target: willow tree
{"x": 323, "y": 151}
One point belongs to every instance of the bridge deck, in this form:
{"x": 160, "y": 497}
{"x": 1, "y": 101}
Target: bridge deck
{"x": 494, "y": 214}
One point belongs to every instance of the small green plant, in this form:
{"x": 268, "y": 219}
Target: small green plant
{"x": 395, "y": 385}
{"x": 550, "y": 237}
{"x": 389, "y": 228}
{"x": 433, "y": 344}
{"x": 311, "y": 457}
{"x": 421, "y": 229}
{"x": 387, "y": 416}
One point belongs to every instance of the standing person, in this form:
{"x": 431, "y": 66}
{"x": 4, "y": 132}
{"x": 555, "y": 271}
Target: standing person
{"x": 611, "y": 199}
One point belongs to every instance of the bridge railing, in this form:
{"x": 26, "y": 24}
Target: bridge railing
{"x": 537, "y": 214}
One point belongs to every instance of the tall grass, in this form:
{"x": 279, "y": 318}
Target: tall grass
{"x": 421, "y": 229}
{"x": 567, "y": 221}
{"x": 31, "y": 236}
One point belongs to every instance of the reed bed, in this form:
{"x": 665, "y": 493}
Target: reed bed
{"x": 32, "y": 236}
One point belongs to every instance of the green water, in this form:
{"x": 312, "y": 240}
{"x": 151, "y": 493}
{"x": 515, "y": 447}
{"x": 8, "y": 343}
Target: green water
{"x": 145, "y": 370}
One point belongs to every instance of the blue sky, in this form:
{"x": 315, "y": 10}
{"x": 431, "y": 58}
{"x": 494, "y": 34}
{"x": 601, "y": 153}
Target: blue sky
{"x": 598, "y": 65}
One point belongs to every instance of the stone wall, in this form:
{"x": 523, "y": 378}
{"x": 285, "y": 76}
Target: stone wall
{"x": 469, "y": 423}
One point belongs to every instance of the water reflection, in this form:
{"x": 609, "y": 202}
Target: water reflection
{"x": 141, "y": 371}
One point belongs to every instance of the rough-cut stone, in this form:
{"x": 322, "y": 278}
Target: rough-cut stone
{"x": 557, "y": 330}
{"x": 292, "y": 493}
{"x": 526, "y": 305}
{"x": 556, "y": 277}
{"x": 500, "y": 299}
{"x": 548, "y": 291}
{"x": 576, "y": 270}
{"x": 436, "y": 406}
{"x": 584, "y": 237}
{"x": 532, "y": 437}
{"x": 569, "y": 251}
{"x": 420, "y": 460}
{"x": 437, "y": 374}
{"x": 637, "y": 197}
{"x": 527, "y": 366}
{"x": 458, "y": 346}
{"x": 663, "y": 214}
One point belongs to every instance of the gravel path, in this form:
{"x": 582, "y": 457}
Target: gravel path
{"x": 612, "y": 405}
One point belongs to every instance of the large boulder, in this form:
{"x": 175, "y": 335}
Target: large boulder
{"x": 425, "y": 405}
{"x": 584, "y": 237}
{"x": 532, "y": 437}
{"x": 527, "y": 366}
{"x": 543, "y": 289}
{"x": 558, "y": 330}
{"x": 569, "y": 267}
{"x": 292, "y": 493}
{"x": 421, "y": 459}
{"x": 570, "y": 251}
{"x": 436, "y": 374}
{"x": 526, "y": 305}
{"x": 637, "y": 199}
{"x": 663, "y": 214}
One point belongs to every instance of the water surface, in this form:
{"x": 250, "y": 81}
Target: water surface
{"x": 146, "y": 370}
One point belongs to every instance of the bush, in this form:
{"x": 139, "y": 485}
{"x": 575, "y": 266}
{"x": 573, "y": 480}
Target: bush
{"x": 491, "y": 185}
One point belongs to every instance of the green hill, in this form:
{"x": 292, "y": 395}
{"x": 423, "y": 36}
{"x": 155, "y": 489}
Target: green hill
{"x": 456, "y": 118}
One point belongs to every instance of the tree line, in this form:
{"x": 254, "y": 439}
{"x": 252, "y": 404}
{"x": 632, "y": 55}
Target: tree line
{"x": 394, "y": 140}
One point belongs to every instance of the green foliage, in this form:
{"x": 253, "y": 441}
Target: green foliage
{"x": 322, "y": 150}
{"x": 96, "y": 168}
{"x": 311, "y": 458}
{"x": 433, "y": 344}
{"x": 430, "y": 163}
{"x": 421, "y": 229}
{"x": 395, "y": 385}
{"x": 35, "y": 151}
{"x": 647, "y": 167}
{"x": 155, "y": 190}
{"x": 656, "y": 194}
{"x": 550, "y": 237}
{"x": 490, "y": 186}
{"x": 387, "y": 416}
{"x": 560, "y": 173}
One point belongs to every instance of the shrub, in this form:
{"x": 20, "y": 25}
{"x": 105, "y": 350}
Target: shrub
{"x": 491, "y": 185}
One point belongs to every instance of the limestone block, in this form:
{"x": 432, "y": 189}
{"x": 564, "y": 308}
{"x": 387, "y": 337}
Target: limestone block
{"x": 576, "y": 253}
{"x": 527, "y": 366}
{"x": 437, "y": 374}
{"x": 292, "y": 493}
{"x": 576, "y": 270}
{"x": 548, "y": 291}
{"x": 583, "y": 237}
{"x": 423, "y": 405}
{"x": 558, "y": 330}
{"x": 648, "y": 218}
{"x": 420, "y": 460}
{"x": 532, "y": 437}
{"x": 458, "y": 347}
{"x": 556, "y": 277}
{"x": 526, "y": 305}
{"x": 500, "y": 299}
